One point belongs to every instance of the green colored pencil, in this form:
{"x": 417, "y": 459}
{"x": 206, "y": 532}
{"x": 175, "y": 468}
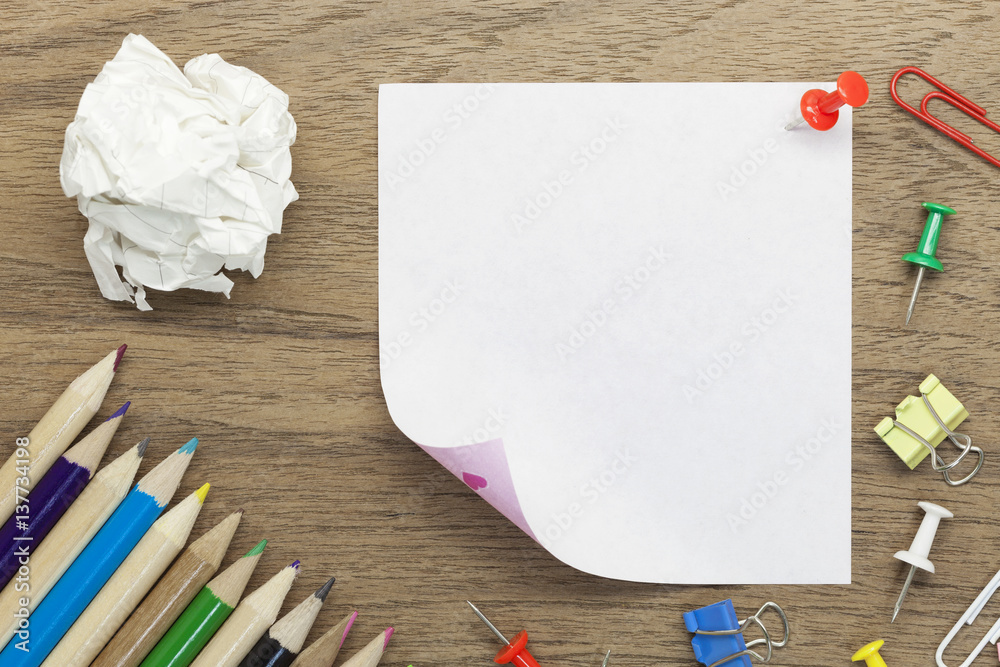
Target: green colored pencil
{"x": 205, "y": 615}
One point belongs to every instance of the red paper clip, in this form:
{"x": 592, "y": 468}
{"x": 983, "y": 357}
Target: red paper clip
{"x": 948, "y": 95}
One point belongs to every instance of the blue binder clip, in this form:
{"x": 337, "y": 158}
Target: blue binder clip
{"x": 719, "y": 639}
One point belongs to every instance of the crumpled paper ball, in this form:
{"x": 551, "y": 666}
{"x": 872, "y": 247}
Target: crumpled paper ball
{"x": 179, "y": 173}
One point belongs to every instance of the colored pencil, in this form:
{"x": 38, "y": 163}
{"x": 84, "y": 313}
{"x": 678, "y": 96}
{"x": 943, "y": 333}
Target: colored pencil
{"x": 73, "y": 532}
{"x": 53, "y": 495}
{"x": 323, "y": 651}
{"x": 56, "y": 431}
{"x": 370, "y": 655}
{"x": 186, "y": 577}
{"x": 248, "y": 623}
{"x": 97, "y": 562}
{"x": 128, "y": 585}
{"x": 205, "y": 615}
{"x": 281, "y": 644}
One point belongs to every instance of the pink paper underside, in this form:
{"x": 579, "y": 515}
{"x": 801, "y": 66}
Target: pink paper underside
{"x": 484, "y": 469}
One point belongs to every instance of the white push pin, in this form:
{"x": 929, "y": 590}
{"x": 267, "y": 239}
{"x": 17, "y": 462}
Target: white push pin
{"x": 920, "y": 548}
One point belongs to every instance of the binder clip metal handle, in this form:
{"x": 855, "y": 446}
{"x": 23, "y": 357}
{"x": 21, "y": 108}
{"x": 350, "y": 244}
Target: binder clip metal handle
{"x": 937, "y": 463}
{"x": 691, "y": 620}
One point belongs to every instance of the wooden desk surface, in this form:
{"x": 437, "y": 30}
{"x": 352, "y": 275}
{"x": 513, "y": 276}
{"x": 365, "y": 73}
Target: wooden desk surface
{"x": 282, "y": 385}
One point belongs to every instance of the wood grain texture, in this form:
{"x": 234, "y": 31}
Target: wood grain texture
{"x": 281, "y": 383}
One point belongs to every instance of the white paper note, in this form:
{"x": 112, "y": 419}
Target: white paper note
{"x": 622, "y": 314}
{"x": 179, "y": 173}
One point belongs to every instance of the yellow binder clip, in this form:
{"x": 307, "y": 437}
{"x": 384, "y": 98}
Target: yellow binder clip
{"x": 921, "y": 424}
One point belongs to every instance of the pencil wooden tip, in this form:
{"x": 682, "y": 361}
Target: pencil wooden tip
{"x": 118, "y": 356}
{"x": 202, "y": 493}
{"x": 141, "y": 447}
{"x": 257, "y": 550}
{"x": 388, "y": 636}
{"x": 162, "y": 481}
{"x": 324, "y": 590}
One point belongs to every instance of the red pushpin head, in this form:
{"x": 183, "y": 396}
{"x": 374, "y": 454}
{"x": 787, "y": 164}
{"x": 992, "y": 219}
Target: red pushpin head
{"x": 516, "y": 652}
{"x": 819, "y": 108}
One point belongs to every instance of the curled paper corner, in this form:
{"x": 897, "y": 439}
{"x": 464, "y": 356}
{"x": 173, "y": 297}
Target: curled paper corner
{"x": 180, "y": 174}
{"x": 484, "y": 469}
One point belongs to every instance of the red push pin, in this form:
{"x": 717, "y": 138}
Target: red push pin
{"x": 819, "y": 108}
{"x": 515, "y": 651}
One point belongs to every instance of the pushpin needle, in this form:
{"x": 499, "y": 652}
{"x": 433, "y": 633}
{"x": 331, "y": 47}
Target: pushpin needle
{"x": 485, "y": 620}
{"x": 515, "y": 650}
{"x": 916, "y": 291}
{"x": 902, "y": 593}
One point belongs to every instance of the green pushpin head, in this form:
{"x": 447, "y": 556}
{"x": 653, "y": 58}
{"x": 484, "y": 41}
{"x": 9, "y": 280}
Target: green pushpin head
{"x": 924, "y": 256}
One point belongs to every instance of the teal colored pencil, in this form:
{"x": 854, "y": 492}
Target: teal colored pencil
{"x": 98, "y": 561}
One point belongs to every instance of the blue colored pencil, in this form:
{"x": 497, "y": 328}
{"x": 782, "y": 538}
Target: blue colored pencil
{"x": 53, "y": 495}
{"x": 94, "y": 566}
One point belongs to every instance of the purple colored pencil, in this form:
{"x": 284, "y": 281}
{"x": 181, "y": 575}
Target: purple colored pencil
{"x": 52, "y": 496}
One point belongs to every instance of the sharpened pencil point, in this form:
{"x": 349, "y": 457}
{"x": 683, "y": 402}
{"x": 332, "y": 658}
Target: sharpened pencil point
{"x": 202, "y": 493}
{"x": 296, "y": 564}
{"x": 118, "y": 356}
{"x": 189, "y": 448}
{"x": 350, "y": 623}
{"x": 241, "y": 511}
{"x": 324, "y": 590}
{"x": 257, "y": 550}
{"x": 120, "y": 412}
{"x": 141, "y": 447}
{"x": 388, "y": 636}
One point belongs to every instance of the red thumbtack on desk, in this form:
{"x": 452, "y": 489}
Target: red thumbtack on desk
{"x": 820, "y": 108}
{"x": 516, "y": 651}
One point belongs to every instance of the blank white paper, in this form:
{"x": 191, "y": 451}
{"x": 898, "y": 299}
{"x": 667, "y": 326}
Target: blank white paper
{"x": 622, "y": 314}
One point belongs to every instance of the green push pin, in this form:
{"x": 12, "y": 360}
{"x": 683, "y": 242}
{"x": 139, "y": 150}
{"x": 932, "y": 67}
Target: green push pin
{"x": 924, "y": 256}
